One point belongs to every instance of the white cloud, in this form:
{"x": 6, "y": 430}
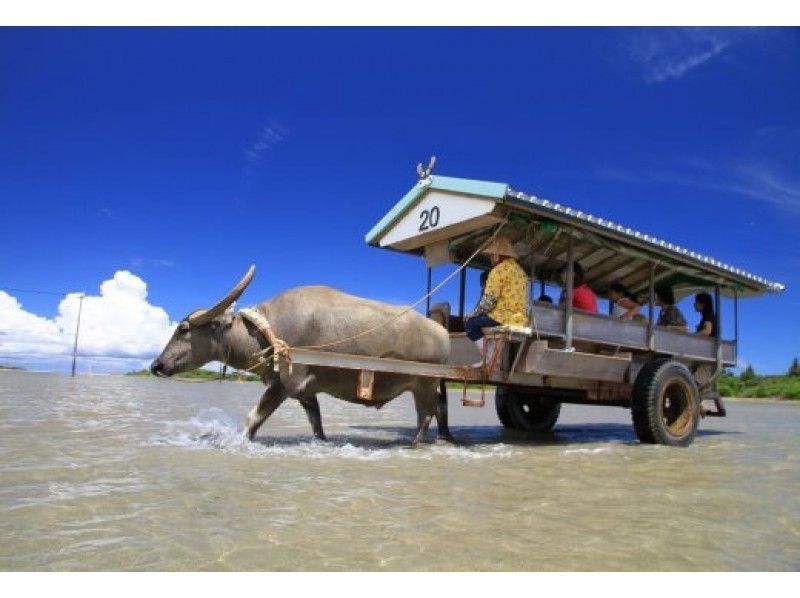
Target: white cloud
{"x": 138, "y": 262}
{"x": 670, "y": 53}
{"x": 764, "y": 170}
{"x": 268, "y": 137}
{"x": 117, "y": 323}
{"x": 751, "y": 180}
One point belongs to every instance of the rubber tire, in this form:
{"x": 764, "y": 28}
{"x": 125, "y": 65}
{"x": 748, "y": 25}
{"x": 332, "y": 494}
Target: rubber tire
{"x": 539, "y": 418}
{"x": 647, "y": 408}
{"x": 501, "y": 406}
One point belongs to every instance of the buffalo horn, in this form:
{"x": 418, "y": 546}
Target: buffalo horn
{"x": 203, "y": 316}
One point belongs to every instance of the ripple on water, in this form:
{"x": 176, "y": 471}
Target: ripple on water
{"x": 588, "y": 451}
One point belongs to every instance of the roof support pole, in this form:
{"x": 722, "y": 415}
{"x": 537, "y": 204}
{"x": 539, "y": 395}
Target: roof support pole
{"x": 531, "y": 285}
{"x": 428, "y": 298}
{"x": 570, "y": 282}
{"x": 651, "y": 298}
{"x": 717, "y": 320}
{"x": 532, "y": 279}
{"x": 736, "y": 324}
{"x": 462, "y": 285}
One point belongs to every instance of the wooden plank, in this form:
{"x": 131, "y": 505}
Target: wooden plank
{"x": 540, "y": 359}
{"x": 611, "y": 265}
{"x": 382, "y": 364}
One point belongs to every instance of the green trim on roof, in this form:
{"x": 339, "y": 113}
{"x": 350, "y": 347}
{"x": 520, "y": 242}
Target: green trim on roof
{"x": 442, "y": 183}
{"x": 471, "y": 186}
{"x": 398, "y": 210}
{"x": 686, "y": 280}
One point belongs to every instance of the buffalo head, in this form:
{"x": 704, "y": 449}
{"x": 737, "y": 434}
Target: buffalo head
{"x": 198, "y": 337}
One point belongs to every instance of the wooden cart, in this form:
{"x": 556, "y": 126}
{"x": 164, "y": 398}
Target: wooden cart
{"x": 667, "y": 378}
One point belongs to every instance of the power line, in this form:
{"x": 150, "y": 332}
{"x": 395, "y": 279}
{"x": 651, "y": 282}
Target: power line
{"x": 36, "y": 292}
{"x": 64, "y": 354}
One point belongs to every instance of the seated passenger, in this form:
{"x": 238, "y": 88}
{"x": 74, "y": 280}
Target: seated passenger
{"x": 624, "y": 303}
{"x": 505, "y": 297}
{"x": 708, "y": 322}
{"x": 583, "y": 297}
{"x": 670, "y": 316}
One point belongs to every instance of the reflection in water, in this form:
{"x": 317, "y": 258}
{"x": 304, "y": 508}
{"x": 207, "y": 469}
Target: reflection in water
{"x": 141, "y": 474}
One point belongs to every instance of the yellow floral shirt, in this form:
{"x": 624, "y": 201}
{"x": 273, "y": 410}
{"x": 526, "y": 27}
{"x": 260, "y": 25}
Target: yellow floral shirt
{"x": 508, "y": 284}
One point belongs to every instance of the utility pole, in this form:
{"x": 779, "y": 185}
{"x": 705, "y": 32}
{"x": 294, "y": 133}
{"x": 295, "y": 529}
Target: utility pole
{"x": 77, "y": 331}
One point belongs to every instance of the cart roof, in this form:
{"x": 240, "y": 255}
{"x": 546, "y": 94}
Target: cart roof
{"x": 458, "y": 213}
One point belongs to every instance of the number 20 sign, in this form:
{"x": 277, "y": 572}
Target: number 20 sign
{"x": 429, "y": 218}
{"x": 434, "y": 212}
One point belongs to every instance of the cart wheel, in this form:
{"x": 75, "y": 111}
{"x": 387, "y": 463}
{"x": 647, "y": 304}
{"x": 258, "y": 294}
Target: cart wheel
{"x": 665, "y": 399}
{"x": 501, "y": 405}
{"x": 525, "y": 411}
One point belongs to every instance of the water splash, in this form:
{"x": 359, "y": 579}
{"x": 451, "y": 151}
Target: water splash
{"x": 216, "y": 429}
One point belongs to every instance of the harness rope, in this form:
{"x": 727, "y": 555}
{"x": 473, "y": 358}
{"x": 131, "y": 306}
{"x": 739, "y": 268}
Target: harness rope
{"x": 279, "y": 348}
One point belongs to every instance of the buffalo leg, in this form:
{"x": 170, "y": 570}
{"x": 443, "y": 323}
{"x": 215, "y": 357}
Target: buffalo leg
{"x": 425, "y": 402}
{"x": 441, "y": 414}
{"x": 311, "y": 406}
{"x": 270, "y": 401}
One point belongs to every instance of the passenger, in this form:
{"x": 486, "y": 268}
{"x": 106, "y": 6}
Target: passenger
{"x": 505, "y": 297}
{"x": 583, "y": 296}
{"x": 670, "y": 316}
{"x": 624, "y": 303}
{"x": 708, "y": 322}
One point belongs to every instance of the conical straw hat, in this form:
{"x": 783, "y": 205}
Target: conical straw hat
{"x": 501, "y": 246}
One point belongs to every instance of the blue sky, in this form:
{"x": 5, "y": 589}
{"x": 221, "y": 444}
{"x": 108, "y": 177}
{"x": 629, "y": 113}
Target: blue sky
{"x": 183, "y": 155}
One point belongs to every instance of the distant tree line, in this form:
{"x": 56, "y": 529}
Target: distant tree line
{"x": 794, "y": 369}
{"x": 749, "y": 384}
{"x": 203, "y": 375}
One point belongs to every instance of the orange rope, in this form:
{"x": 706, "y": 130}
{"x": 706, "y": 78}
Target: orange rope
{"x": 420, "y": 300}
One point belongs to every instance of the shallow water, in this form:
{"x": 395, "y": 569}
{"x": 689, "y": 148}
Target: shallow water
{"x": 117, "y": 473}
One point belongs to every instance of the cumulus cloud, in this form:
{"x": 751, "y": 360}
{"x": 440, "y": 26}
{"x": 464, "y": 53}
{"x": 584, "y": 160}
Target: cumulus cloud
{"x": 671, "y": 53}
{"x": 118, "y": 323}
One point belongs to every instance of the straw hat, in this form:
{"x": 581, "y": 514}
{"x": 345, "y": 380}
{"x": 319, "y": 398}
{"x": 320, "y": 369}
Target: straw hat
{"x": 501, "y": 246}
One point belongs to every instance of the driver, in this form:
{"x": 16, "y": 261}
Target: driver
{"x": 505, "y": 297}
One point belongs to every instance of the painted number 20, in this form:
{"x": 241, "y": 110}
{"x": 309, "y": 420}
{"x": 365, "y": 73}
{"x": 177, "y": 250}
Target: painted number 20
{"x": 430, "y": 218}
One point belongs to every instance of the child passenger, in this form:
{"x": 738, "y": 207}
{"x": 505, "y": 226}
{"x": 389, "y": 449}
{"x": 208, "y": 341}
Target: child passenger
{"x": 624, "y": 303}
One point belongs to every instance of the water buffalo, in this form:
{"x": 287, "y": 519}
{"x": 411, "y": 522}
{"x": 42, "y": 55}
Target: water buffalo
{"x": 315, "y": 315}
